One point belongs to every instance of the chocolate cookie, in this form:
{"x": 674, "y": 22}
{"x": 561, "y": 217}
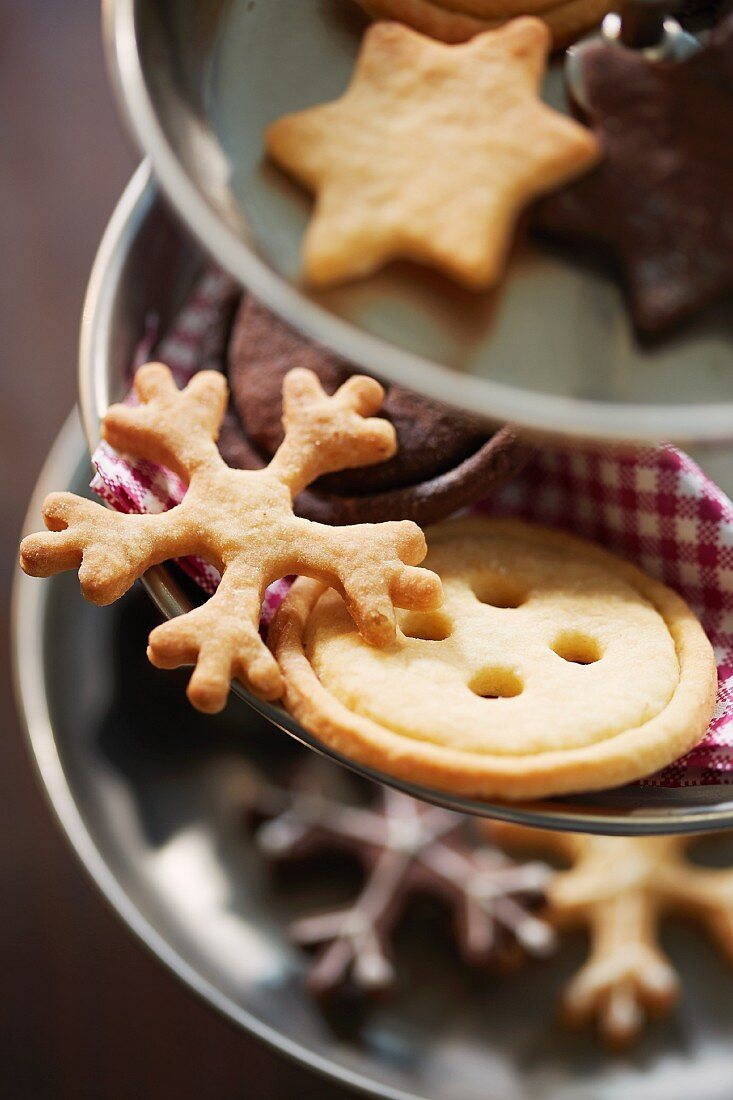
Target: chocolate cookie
{"x": 661, "y": 199}
{"x": 445, "y": 459}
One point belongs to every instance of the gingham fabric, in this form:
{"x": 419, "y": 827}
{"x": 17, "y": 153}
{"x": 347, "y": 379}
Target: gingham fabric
{"x": 652, "y": 505}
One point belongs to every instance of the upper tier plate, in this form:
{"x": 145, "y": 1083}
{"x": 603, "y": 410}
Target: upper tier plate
{"x": 552, "y": 350}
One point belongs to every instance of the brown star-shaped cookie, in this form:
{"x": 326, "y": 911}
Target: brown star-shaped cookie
{"x": 430, "y": 154}
{"x": 661, "y": 199}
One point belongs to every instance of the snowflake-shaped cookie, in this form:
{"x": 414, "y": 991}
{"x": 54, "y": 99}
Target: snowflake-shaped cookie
{"x": 242, "y": 522}
{"x": 404, "y": 846}
{"x": 618, "y": 888}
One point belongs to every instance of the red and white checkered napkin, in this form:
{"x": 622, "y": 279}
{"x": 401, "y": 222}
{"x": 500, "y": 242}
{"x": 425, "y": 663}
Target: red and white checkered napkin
{"x": 652, "y": 505}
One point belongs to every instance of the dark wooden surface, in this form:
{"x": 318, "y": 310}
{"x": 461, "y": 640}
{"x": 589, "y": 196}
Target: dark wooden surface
{"x": 84, "y": 1011}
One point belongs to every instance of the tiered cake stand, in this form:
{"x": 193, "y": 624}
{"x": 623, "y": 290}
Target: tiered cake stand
{"x": 146, "y": 789}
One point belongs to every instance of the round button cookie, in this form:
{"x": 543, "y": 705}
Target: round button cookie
{"x": 552, "y": 667}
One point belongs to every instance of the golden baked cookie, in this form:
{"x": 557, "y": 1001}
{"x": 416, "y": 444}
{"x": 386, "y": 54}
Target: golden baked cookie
{"x": 454, "y": 21}
{"x": 552, "y": 667}
{"x": 241, "y": 522}
{"x": 431, "y": 154}
{"x": 619, "y": 888}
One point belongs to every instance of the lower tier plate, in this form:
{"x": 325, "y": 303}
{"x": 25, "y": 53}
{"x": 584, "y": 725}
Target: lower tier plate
{"x": 149, "y": 794}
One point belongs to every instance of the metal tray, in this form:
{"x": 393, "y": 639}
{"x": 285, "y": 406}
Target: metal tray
{"x": 149, "y": 794}
{"x": 146, "y": 263}
{"x": 552, "y": 350}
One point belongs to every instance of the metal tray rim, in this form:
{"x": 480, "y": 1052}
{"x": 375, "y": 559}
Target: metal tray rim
{"x": 542, "y": 414}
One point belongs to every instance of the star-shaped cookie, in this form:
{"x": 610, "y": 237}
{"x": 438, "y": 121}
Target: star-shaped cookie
{"x": 661, "y": 199}
{"x": 430, "y": 154}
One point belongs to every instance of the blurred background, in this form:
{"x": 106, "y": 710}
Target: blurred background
{"x": 85, "y": 1012}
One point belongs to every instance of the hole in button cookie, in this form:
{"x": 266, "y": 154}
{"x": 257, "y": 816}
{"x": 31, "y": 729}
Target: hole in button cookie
{"x": 498, "y": 590}
{"x": 577, "y": 648}
{"x": 496, "y": 683}
{"x": 427, "y": 626}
